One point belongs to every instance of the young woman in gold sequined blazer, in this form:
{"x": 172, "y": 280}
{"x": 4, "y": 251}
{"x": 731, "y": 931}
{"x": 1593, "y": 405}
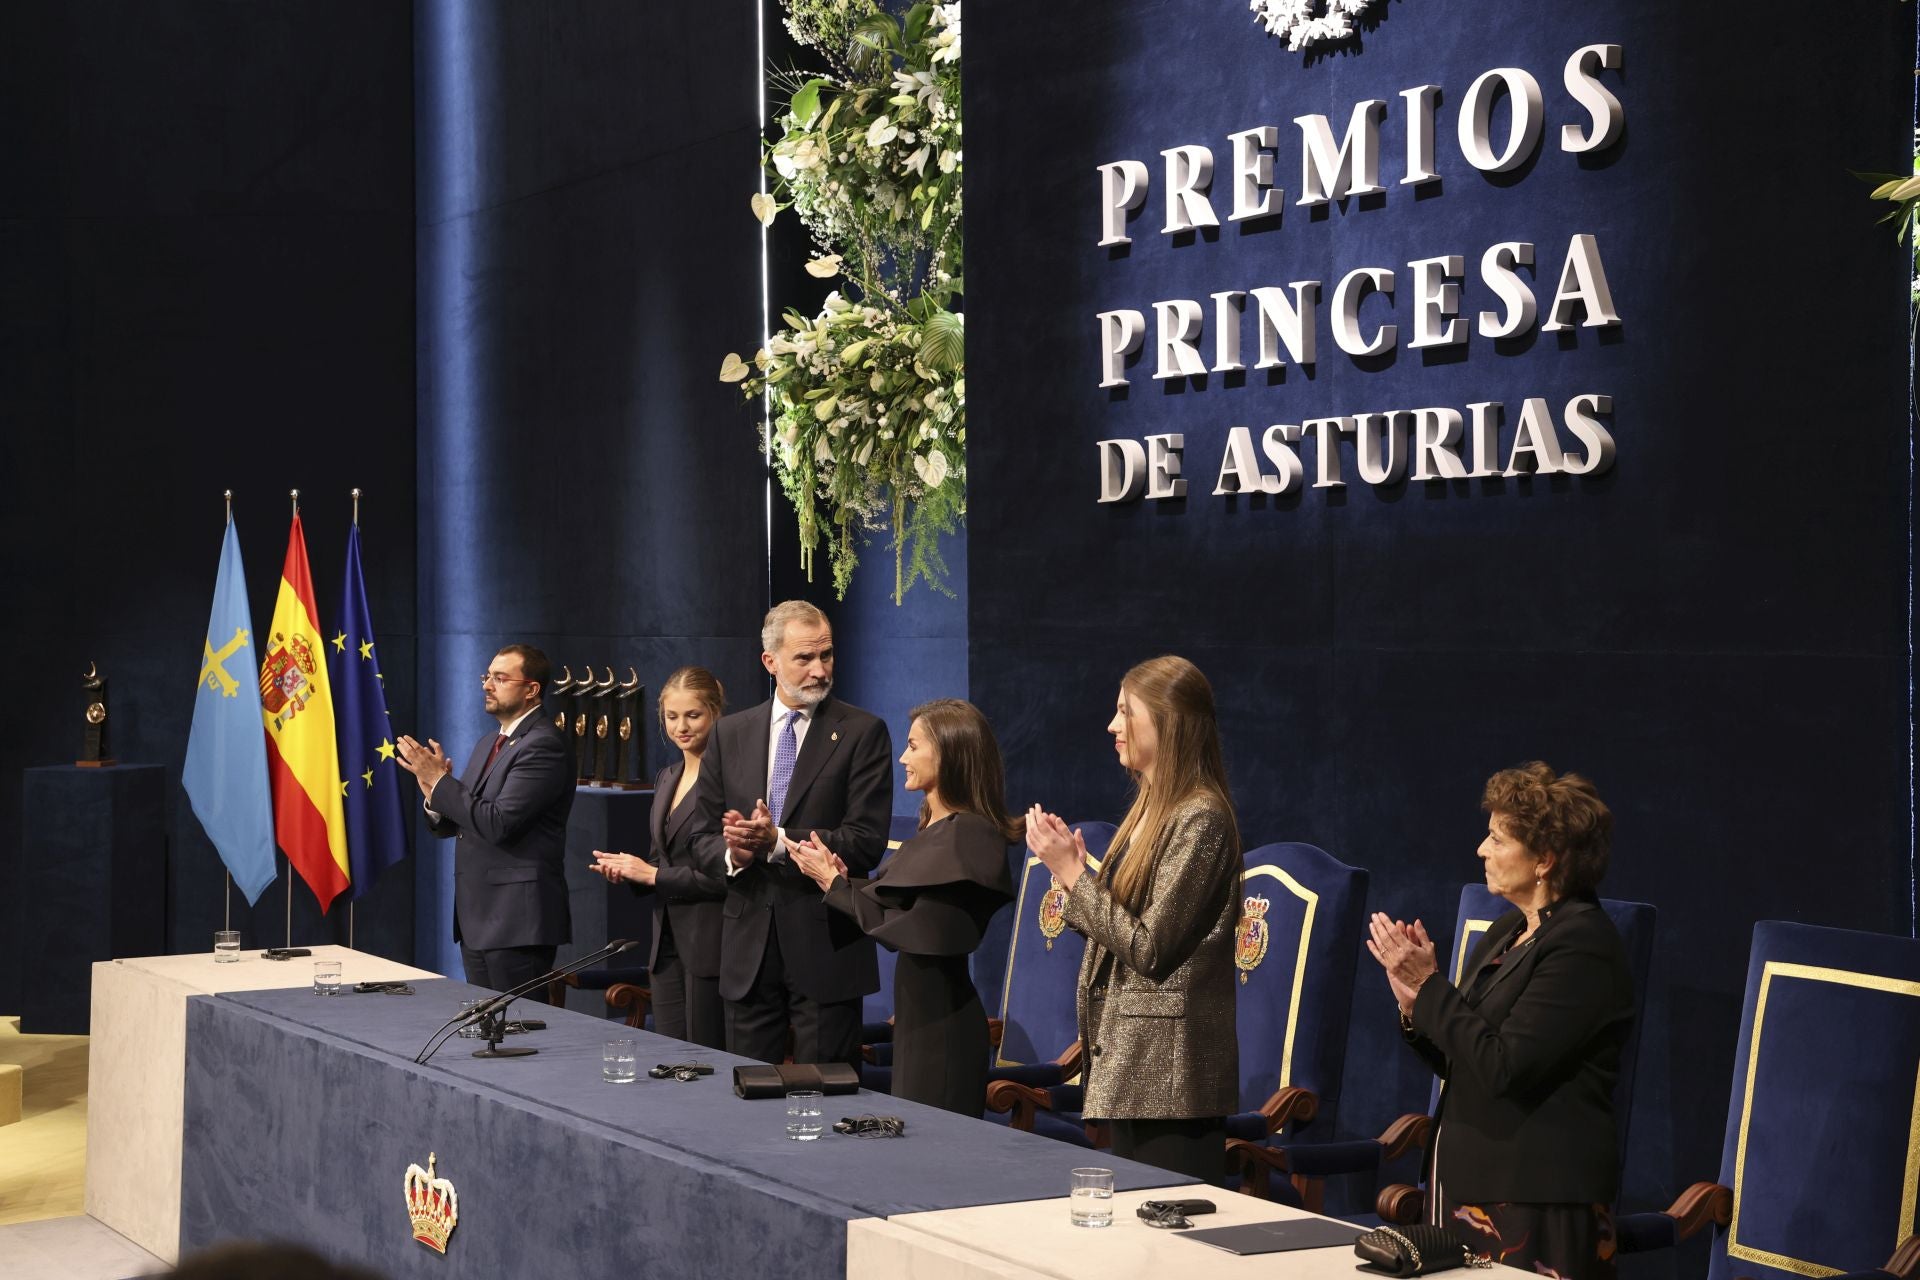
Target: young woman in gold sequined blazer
{"x": 1156, "y": 1002}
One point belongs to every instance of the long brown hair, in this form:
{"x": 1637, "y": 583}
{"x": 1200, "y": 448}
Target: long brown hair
{"x": 971, "y": 777}
{"x": 1187, "y": 762}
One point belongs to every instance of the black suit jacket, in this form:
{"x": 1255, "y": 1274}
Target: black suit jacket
{"x": 688, "y": 898}
{"x": 509, "y": 824}
{"x": 842, "y": 787}
{"x": 1530, "y": 1054}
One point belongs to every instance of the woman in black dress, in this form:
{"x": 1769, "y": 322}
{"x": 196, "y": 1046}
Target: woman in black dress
{"x": 1524, "y": 1160}
{"x": 685, "y": 963}
{"x": 932, "y": 900}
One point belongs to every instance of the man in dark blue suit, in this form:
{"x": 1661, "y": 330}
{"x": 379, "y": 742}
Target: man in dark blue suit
{"x": 507, "y": 814}
{"x": 799, "y": 763}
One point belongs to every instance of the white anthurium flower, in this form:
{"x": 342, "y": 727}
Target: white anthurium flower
{"x": 760, "y": 359}
{"x": 881, "y": 132}
{"x": 876, "y": 382}
{"x": 824, "y": 268}
{"x": 733, "y": 368}
{"x": 764, "y": 207}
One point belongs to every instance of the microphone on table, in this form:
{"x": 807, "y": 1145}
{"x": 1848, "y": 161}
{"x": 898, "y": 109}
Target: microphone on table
{"x": 490, "y": 1013}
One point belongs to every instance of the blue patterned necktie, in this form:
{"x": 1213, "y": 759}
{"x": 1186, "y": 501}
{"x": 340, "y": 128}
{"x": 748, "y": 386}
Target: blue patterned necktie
{"x": 784, "y": 753}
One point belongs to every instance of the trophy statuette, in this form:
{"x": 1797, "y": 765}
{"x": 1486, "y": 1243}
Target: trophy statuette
{"x": 93, "y": 698}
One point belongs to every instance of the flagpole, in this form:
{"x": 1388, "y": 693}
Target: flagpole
{"x": 227, "y": 896}
{"x": 295, "y": 495}
{"x": 356, "y": 888}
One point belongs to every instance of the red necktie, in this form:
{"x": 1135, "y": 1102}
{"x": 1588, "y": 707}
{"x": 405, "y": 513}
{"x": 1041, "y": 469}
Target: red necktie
{"x": 499, "y": 741}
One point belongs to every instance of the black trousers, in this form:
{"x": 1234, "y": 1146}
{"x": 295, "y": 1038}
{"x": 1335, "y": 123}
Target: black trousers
{"x": 685, "y": 1007}
{"x": 1196, "y": 1147}
{"x": 503, "y": 968}
{"x": 822, "y": 1031}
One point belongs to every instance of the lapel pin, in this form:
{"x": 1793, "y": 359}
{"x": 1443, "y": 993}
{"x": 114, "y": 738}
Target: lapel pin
{"x": 835, "y": 737}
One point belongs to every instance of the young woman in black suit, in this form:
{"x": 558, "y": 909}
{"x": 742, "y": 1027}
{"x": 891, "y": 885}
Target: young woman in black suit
{"x": 1524, "y": 1157}
{"x": 685, "y": 963}
{"x": 932, "y": 900}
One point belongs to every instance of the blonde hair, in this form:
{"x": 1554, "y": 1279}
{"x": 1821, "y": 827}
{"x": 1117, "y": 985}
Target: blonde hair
{"x": 970, "y": 776}
{"x": 773, "y": 628}
{"x": 699, "y": 682}
{"x": 1187, "y": 763}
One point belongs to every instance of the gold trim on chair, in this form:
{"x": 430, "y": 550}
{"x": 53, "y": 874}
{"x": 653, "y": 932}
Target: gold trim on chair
{"x": 1910, "y": 1188}
{"x": 1465, "y": 944}
{"x": 1312, "y": 900}
{"x": 1013, "y": 946}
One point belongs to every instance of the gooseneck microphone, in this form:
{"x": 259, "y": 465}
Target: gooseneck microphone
{"x": 491, "y": 1013}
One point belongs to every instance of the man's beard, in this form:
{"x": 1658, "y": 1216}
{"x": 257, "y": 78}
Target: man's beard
{"x": 810, "y": 697}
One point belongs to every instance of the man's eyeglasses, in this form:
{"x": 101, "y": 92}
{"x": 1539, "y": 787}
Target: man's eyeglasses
{"x": 490, "y": 678}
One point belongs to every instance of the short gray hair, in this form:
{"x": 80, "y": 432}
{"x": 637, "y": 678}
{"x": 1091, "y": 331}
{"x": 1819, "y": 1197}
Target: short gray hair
{"x": 773, "y": 630}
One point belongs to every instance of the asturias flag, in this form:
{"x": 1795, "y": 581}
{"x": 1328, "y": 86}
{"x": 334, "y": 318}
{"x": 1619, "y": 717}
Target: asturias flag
{"x": 376, "y": 825}
{"x": 226, "y": 771}
{"x": 308, "y": 816}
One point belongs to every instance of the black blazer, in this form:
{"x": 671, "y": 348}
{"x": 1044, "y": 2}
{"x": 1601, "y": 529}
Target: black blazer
{"x": 509, "y": 824}
{"x": 1530, "y": 1053}
{"x": 686, "y": 896}
{"x": 842, "y": 787}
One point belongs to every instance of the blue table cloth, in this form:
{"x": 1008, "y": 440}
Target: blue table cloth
{"x": 303, "y": 1113}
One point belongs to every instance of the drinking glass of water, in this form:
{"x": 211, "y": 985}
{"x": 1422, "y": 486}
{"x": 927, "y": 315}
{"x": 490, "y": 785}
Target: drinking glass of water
{"x": 326, "y": 977}
{"x": 619, "y": 1062}
{"x": 226, "y": 946}
{"x": 804, "y": 1122}
{"x": 1092, "y": 1199}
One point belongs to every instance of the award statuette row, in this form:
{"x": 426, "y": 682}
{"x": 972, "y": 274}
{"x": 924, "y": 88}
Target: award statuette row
{"x": 602, "y": 719}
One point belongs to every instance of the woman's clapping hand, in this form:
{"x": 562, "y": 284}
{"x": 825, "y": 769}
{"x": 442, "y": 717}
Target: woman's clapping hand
{"x": 1061, "y": 849}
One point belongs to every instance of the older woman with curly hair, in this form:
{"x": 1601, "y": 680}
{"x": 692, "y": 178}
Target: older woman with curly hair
{"x": 1524, "y": 1159}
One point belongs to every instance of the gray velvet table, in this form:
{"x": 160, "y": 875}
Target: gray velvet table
{"x": 303, "y": 1114}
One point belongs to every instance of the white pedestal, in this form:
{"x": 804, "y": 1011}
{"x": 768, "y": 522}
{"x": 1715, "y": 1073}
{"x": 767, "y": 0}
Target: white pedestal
{"x": 1038, "y": 1238}
{"x": 136, "y": 1075}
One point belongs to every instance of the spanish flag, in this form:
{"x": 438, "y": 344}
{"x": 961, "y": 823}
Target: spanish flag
{"x": 309, "y": 820}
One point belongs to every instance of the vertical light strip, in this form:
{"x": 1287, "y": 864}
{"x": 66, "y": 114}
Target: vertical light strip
{"x": 1907, "y": 266}
{"x": 766, "y": 308}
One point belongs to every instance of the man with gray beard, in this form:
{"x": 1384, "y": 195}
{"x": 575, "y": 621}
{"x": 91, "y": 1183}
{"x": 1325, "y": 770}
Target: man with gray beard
{"x": 800, "y": 763}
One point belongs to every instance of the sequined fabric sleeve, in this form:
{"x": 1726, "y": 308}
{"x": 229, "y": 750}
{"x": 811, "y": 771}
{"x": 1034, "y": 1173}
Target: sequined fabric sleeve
{"x": 1195, "y": 861}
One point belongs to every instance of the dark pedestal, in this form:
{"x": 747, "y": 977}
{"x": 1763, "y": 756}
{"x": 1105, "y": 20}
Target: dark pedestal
{"x": 90, "y": 883}
{"x": 617, "y": 822}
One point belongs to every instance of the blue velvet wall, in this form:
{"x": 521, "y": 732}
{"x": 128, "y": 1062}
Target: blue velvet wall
{"x": 1715, "y": 630}
{"x": 205, "y": 283}
{"x": 586, "y": 256}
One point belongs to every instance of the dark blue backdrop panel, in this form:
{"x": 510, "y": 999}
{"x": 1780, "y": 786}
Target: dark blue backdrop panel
{"x": 548, "y": 1161}
{"x": 206, "y": 262}
{"x": 586, "y": 256}
{"x": 1715, "y": 630}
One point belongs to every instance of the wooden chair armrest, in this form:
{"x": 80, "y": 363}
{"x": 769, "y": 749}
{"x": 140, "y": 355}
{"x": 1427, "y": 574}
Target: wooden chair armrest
{"x": 1408, "y": 1133}
{"x": 1256, "y": 1163}
{"x": 1020, "y": 1100}
{"x": 1400, "y": 1204}
{"x": 1905, "y": 1262}
{"x": 1287, "y": 1105}
{"x": 996, "y": 1031}
{"x": 1071, "y": 1060}
{"x": 557, "y": 989}
{"x": 1698, "y": 1205}
{"x": 632, "y": 997}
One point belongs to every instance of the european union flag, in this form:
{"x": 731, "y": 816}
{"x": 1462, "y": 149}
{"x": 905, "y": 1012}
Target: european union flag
{"x": 375, "y": 784}
{"x": 226, "y": 769}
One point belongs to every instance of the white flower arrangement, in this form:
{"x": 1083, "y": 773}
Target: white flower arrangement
{"x": 1296, "y": 22}
{"x": 868, "y": 397}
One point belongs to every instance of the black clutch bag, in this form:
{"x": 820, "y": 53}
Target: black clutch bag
{"x": 1414, "y": 1251}
{"x": 778, "y": 1082}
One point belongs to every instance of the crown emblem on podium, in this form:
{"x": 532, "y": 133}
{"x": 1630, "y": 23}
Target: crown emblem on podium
{"x": 1250, "y": 939}
{"x": 433, "y": 1205}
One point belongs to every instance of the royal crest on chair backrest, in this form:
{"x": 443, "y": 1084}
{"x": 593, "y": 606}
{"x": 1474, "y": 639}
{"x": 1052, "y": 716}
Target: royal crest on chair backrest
{"x": 1043, "y": 964}
{"x": 1302, "y": 913}
{"x": 1823, "y": 1131}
